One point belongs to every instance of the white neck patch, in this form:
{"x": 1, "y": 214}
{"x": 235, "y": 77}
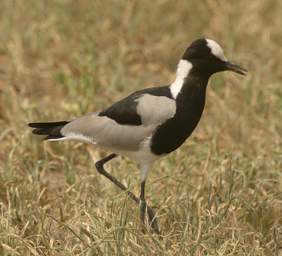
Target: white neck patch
{"x": 182, "y": 72}
{"x": 216, "y": 50}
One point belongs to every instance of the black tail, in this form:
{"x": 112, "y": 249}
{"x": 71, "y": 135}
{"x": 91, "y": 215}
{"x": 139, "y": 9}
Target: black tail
{"x": 52, "y": 129}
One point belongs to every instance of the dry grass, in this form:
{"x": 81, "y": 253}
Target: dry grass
{"x": 220, "y": 194}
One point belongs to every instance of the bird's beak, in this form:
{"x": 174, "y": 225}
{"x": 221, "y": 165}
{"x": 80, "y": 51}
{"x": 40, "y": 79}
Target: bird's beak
{"x": 236, "y": 68}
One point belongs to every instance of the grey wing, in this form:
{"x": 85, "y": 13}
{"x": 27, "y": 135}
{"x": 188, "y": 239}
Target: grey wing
{"x": 107, "y": 132}
{"x": 155, "y": 109}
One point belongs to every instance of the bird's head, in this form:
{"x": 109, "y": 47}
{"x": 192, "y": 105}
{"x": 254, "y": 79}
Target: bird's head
{"x": 207, "y": 57}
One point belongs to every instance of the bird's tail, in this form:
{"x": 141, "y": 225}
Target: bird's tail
{"x": 51, "y": 129}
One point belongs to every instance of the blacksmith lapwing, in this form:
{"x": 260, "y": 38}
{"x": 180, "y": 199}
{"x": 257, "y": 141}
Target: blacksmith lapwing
{"x": 149, "y": 123}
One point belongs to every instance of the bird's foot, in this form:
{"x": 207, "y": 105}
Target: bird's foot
{"x": 152, "y": 219}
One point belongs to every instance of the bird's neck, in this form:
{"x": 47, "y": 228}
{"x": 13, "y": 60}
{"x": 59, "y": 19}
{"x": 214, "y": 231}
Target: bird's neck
{"x": 187, "y": 80}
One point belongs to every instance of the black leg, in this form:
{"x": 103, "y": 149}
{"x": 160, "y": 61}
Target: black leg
{"x": 144, "y": 207}
{"x": 142, "y": 202}
{"x": 100, "y": 168}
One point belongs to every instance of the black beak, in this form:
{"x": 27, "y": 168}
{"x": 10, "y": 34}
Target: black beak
{"x": 236, "y": 68}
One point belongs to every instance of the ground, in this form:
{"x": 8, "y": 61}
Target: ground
{"x": 220, "y": 194}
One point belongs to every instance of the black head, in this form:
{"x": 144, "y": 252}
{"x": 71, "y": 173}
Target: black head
{"x": 207, "y": 58}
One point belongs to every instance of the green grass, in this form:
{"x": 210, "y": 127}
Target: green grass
{"x": 220, "y": 194}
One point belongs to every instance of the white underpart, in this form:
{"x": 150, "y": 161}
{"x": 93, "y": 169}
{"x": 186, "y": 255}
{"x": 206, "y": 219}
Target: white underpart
{"x": 145, "y": 158}
{"x": 182, "y": 72}
{"x": 75, "y": 136}
{"x": 216, "y": 50}
{"x": 144, "y": 170}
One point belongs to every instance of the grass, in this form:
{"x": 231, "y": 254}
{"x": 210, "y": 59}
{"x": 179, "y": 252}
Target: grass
{"x": 220, "y": 194}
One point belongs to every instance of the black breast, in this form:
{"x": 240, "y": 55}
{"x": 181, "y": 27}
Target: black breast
{"x": 171, "y": 134}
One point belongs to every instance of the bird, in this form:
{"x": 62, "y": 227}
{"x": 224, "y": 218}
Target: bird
{"x": 149, "y": 123}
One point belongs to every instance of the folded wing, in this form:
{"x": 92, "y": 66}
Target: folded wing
{"x": 123, "y": 126}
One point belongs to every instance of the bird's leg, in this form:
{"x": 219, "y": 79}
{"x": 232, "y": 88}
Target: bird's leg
{"x": 144, "y": 208}
{"x": 100, "y": 168}
{"x": 151, "y": 215}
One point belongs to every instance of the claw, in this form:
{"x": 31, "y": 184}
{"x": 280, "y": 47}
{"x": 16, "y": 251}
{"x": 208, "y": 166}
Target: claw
{"x": 152, "y": 219}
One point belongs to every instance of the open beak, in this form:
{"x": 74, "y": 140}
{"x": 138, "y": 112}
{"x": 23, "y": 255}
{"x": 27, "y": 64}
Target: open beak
{"x": 236, "y": 68}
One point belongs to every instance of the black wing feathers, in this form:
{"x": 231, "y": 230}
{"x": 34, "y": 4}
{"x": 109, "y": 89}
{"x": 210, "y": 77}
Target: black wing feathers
{"x": 124, "y": 111}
